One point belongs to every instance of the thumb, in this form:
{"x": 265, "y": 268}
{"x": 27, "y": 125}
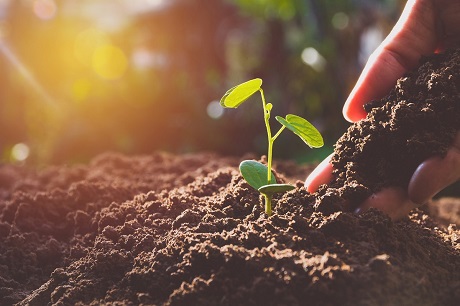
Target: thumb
{"x": 413, "y": 35}
{"x": 435, "y": 174}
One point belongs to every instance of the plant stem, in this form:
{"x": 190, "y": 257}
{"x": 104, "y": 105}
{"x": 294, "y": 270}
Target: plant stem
{"x": 268, "y": 204}
{"x": 278, "y": 133}
{"x": 269, "y": 138}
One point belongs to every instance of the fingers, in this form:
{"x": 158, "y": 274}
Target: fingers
{"x": 393, "y": 201}
{"x": 431, "y": 176}
{"x": 435, "y": 174}
{"x": 321, "y": 175}
{"x": 414, "y": 35}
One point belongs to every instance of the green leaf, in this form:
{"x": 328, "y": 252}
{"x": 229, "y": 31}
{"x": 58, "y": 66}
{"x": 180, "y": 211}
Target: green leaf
{"x": 275, "y": 188}
{"x": 255, "y": 173}
{"x": 304, "y": 129}
{"x": 240, "y": 93}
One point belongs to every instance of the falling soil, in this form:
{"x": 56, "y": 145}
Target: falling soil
{"x": 188, "y": 230}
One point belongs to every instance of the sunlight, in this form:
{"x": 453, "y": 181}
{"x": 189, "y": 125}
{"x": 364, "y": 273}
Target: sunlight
{"x": 86, "y": 43}
{"x": 81, "y": 89}
{"x": 25, "y": 73}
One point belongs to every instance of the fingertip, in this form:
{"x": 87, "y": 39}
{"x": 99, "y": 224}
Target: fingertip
{"x": 353, "y": 110}
{"x": 321, "y": 175}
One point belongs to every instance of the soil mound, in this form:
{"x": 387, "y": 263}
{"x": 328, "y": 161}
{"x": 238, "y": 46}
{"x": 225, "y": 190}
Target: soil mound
{"x": 188, "y": 230}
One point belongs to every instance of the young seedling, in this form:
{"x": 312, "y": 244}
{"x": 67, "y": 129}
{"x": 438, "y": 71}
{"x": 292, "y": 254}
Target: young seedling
{"x": 259, "y": 176}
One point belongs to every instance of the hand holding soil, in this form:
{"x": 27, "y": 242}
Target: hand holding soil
{"x": 424, "y": 27}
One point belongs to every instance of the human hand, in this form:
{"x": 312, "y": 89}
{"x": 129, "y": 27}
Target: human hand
{"x": 431, "y": 176}
{"x": 425, "y": 26}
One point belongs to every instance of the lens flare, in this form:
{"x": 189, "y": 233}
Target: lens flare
{"x": 109, "y": 62}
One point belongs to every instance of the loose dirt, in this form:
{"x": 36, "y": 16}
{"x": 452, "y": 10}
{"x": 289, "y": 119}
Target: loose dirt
{"x": 188, "y": 230}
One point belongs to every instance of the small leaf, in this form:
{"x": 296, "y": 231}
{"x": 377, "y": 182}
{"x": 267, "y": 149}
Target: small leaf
{"x": 275, "y": 188}
{"x": 255, "y": 173}
{"x": 240, "y": 93}
{"x": 269, "y": 106}
{"x": 304, "y": 129}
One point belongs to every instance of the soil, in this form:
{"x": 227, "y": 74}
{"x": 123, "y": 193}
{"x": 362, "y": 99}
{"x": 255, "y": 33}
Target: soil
{"x": 188, "y": 230}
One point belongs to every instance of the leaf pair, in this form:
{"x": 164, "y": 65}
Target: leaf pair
{"x": 235, "y": 96}
{"x": 255, "y": 174}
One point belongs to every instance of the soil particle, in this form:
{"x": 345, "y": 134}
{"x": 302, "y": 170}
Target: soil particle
{"x": 170, "y": 229}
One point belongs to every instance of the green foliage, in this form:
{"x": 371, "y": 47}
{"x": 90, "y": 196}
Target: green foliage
{"x": 259, "y": 176}
{"x": 304, "y": 129}
{"x": 283, "y": 9}
{"x": 240, "y": 93}
{"x": 255, "y": 173}
{"x": 275, "y": 188}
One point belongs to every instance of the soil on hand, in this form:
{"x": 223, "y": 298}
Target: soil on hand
{"x": 418, "y": 119}
{"x": 188, "y": 230}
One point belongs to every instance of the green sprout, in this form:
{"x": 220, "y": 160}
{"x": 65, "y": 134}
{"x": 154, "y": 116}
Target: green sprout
{"x": 259, "y": 176}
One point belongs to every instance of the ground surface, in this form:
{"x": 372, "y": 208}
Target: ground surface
{"x": 188, "y": 230}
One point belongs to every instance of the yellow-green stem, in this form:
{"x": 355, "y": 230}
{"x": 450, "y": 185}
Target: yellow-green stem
{"x": 268, "y": 205}
{"x": 269, "y": 137}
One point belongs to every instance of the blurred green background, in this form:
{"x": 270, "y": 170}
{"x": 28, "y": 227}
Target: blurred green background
{"x": 81, "y": 77}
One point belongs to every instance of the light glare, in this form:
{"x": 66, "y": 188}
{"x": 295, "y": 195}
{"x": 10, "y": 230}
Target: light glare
{"x": 20, "y": 152}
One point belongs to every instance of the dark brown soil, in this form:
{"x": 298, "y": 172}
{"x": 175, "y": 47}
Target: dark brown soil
{"x": 188, "y": 230}
{"x": 418, "y": 119}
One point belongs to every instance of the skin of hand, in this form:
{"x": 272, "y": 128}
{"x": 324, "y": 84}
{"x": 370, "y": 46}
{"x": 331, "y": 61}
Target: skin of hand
{"x": 425, "y": 27}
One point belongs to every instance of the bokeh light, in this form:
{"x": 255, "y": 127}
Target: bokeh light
{"x": 109, "y": 62}
{"x": 215, "y": 110}
{"x": 20, "y": 152}
{"x": 311, "y": 57}
{"x": 81, "y": 89}
{"x": 45, "y": 9}
{"x": 81, "y": 77}
{"x": 340, "y": 20}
